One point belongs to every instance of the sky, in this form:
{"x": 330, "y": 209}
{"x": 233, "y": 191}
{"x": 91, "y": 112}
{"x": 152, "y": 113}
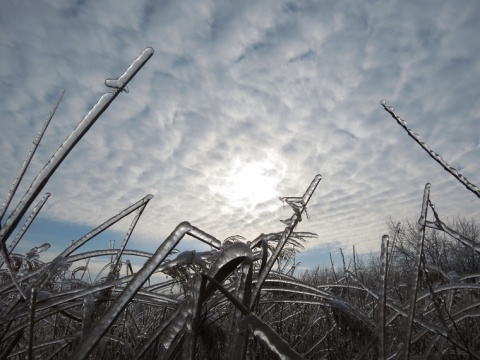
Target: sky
{"x": 241, "y": 103}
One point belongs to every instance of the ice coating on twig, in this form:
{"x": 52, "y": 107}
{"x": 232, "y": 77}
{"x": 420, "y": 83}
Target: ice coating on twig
{"x": 470, "y": 186}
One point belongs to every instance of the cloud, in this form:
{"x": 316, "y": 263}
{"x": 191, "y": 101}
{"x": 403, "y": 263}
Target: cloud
{"x": 298, "y": 83}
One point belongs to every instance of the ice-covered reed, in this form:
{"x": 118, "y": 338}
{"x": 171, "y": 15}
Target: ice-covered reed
{"x": 230, "y": 302}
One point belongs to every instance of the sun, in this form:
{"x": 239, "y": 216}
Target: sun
{"x": 249, "y": 183}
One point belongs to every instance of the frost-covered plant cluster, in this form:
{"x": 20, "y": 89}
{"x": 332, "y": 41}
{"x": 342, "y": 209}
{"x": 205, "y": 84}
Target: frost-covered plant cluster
{"x": 240, "y": 300}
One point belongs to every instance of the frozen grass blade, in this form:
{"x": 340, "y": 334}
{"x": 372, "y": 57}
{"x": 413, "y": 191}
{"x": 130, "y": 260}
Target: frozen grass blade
{"x": 383, "y": 298}
{"x": 99, "y": 229}
{"x": 296, "y": 217}
{"x": 270, "y": 338}
{"x": 440, "y": 225}
{"x": 27, "y": 224}
{"x": 454, "y": 172}
{"x": 417, "y": 269}
{"x": 31, "y": 321}
{"x": 75, "y": 136}
{"x": 91, "y": 340}
{"x": 48, "y": 310}
{"x": 261, "y": 330}
{"x": 25, "y": 165}
{"x": 192, "y": 321}
{"x": 115, "y": 267}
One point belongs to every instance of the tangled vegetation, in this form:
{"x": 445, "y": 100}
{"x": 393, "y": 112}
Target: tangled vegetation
{"x": 419, "y": 299}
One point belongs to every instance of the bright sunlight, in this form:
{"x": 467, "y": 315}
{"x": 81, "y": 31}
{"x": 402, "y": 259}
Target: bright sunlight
{"x": 247, "y": 184}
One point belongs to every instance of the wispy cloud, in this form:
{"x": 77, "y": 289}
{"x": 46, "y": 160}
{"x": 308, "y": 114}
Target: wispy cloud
{"x": 294, "y": 85}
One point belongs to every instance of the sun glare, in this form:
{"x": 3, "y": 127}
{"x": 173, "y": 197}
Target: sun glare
{"x": 250, "y": 183}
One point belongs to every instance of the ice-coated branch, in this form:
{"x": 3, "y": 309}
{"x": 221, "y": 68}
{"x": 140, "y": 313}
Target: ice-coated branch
{"x": 470, "y": 186}
{"x": 26, "y": 163}
{"x": 75, "y": 136}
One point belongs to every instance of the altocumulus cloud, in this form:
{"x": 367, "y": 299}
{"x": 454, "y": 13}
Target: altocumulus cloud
{"x": 290, "y": 89}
